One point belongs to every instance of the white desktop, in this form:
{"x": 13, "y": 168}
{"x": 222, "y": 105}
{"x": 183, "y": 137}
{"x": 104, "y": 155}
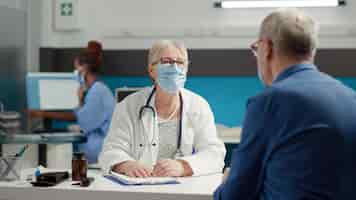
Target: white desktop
{"x": 197, "y": 188}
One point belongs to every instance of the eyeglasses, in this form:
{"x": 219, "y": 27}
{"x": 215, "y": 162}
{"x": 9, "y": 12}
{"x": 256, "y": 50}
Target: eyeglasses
{"x": 254, "y": 47}
{"x": 168, "y": 60}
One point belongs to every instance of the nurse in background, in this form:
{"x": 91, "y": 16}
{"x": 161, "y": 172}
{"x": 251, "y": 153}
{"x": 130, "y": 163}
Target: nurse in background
{"x": 96, "y": 103}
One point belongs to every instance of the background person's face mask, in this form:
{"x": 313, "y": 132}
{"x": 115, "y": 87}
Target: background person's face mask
{"x": 79, "y": 77}
{"x": 170, "y": 77}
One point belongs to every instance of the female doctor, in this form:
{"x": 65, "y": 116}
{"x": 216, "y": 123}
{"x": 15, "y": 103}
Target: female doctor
{"x": 163, "y": 130}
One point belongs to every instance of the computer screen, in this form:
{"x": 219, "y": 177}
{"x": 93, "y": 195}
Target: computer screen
{"x": 51, "y": 91}
{"x": 123, "y": 92}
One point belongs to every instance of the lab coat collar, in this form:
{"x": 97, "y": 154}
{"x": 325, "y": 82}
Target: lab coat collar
{"x": 152, "y": 102}
{"x": 294, "y": 69}
{"x": 148, "y": 116}
{"x": 186, "y": 103}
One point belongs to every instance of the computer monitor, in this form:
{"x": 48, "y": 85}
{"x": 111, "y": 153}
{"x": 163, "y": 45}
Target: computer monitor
{"x": 121, "y": 93}
{"x": 51, "y": 91}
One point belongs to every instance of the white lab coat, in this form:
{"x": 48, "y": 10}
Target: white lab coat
{"x": 198, "y": 131}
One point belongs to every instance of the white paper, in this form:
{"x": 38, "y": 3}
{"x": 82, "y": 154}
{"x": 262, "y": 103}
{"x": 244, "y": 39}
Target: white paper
{"x": 143, "y": 181}
{"x": 58, "y": 94}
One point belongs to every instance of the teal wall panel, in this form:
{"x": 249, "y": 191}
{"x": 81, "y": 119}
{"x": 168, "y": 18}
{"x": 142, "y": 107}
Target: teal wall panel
{"x": 227, "y": 96}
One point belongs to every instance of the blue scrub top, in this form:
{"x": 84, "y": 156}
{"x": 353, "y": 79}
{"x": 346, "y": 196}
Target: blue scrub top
{"x": 94, "y": 119}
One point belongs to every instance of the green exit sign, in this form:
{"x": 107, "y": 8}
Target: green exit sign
{"x": 66, "y": 9}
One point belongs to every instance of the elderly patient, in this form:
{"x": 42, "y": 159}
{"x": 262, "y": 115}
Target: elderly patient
{"x": 299, "y": 134}
{"x": 163, "y": 130}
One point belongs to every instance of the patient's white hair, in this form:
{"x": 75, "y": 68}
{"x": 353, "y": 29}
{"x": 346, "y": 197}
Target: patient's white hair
{"x": 292, "y": 32}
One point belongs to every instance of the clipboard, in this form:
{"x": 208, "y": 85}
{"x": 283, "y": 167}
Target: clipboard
{"x": 126, "y": 180}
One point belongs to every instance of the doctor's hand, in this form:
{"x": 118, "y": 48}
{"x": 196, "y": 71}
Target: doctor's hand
{"x": 132, "y": 169}
{"x": 168, "y": 167}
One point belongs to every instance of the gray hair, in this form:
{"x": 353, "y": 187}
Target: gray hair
{"x": 293, "y": 33}
{"x": 158, "y": 48}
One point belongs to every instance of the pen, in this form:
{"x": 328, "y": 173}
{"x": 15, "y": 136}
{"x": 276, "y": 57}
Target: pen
{"x": 20, "y": 153}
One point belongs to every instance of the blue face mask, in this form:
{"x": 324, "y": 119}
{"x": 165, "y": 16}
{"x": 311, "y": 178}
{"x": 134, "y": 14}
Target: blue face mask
{"x": 78, "y": 77}
{"x": 171, "y": 78}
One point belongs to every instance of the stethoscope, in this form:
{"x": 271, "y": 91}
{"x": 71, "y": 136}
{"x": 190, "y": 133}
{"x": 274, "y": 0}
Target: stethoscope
{"x": 149, "y": 108}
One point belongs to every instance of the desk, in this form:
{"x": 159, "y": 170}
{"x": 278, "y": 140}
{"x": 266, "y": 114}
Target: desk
{"x": 230, "y": 135}
{"x": 197, "y": 188}
{"x": 59, "y": 145}
{"x": 43, "y": 138}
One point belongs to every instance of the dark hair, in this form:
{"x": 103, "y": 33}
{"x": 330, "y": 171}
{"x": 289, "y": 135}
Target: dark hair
{"x": 90, "y": 59}
{"x": 96, "y": 48}
{"x": 91, "y": 56}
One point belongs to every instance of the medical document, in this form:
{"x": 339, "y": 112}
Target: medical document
{"x": 126, "y": 180}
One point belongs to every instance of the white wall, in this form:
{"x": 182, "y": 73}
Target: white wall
{"x": 30, "y": 156}
{"x": 34, "y": 24}
{"x": 134, "y": 24}
{"x": 17, "y": 4}
{"x": 34, "y": 29}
